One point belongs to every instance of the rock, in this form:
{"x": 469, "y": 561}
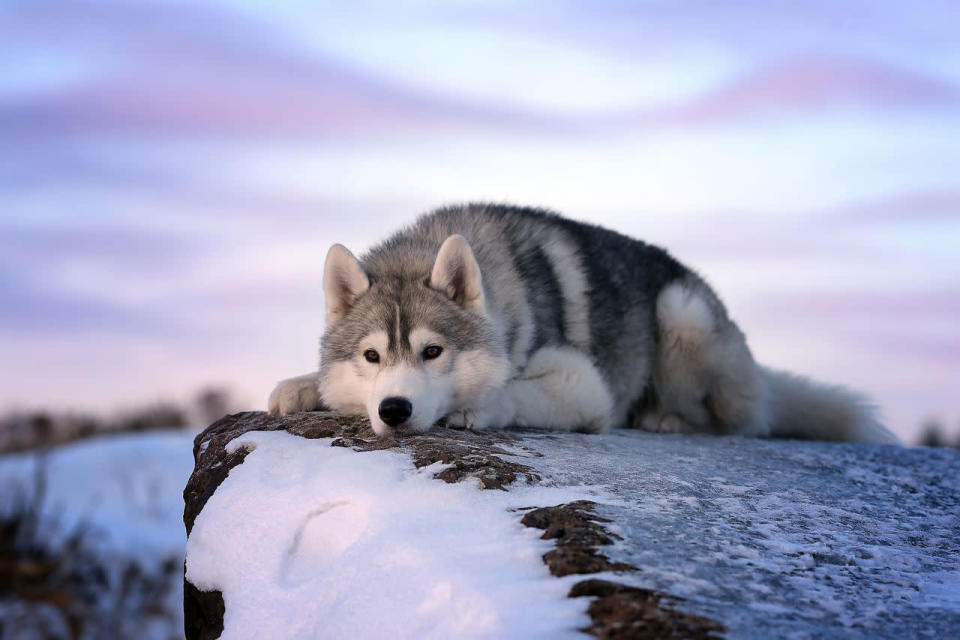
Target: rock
{"x": 702, "y": 536}
{"x": 578, "y": 534}
{"x": 621, "y": 612}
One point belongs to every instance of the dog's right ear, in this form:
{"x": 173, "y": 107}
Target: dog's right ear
{"x": 343, "y": 280}
{"x": 457, "y": 274}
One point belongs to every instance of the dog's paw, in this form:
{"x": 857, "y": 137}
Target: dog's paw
{"x": 469, "y": 419}
{"x": 293, "y": 395}
{"x": 664, "y": 423}
{"x": 459, "y": 420}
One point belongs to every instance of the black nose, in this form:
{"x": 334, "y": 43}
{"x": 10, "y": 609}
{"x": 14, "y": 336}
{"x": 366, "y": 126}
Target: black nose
{"x": 395, "y": 411}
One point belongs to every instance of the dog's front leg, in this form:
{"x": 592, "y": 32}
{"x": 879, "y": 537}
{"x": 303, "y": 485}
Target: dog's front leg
{"x": 496, "y": 411}
{"x": 561, "y": 389}
{"x": 295, "y": 394}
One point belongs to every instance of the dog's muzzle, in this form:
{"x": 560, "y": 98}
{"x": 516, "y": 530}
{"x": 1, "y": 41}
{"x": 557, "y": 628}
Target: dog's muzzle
{"x": 395, "y": 411}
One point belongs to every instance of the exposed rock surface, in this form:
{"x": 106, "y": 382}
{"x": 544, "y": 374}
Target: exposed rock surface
{"x": 708, "y": 536}
{"x": 621, "y": 612}
{"x": 578, "y": 534}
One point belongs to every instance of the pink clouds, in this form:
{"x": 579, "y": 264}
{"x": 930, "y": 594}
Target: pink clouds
{"x": 252, "y": 93}
{"x": 189, "y": 70}
{"x": 931, "y": 205}
{"x": 804, "y": 84}
{"x": 195, "y": 71}
{"x": 922, "y": 302}
{"x": 326, "y": 101}
{"x": 822, "y": 80}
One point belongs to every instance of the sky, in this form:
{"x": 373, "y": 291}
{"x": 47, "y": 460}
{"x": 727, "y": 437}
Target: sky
{"x": 174, "y": 172}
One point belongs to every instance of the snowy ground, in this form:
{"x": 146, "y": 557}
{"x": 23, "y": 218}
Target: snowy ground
{"x": 771, "y": 538}
{"x": 125, "y": 490}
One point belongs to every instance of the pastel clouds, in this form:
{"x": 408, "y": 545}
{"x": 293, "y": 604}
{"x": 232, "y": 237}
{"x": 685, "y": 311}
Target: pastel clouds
{"x": 800, "y": 86}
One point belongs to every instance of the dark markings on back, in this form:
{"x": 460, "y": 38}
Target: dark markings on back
{"x": 624, "y": 277}
{"x": 543, "y": 295}
{"x": 624, "y": 274}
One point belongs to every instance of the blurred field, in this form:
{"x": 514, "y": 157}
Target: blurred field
{"x": 91, "y": 538}
{"x": 41, "y": 429}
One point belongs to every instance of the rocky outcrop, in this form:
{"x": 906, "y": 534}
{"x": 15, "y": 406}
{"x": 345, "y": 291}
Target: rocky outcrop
{"x": 621, "y": 612}
{"x": 465, "y": 455}
{"x": 695, "y": 536}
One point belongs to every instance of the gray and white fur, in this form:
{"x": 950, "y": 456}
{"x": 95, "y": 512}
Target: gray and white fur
{"x": 490, "y": 315}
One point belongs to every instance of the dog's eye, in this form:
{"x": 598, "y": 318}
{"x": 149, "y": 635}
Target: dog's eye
{"x": 371, "y": 356}
{"x": 431, "y": 352}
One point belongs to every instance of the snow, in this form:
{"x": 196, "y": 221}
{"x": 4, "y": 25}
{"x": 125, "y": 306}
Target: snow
{"x": 308, "y": 540}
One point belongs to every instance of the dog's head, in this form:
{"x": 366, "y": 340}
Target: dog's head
{"x": 408, "y": 342}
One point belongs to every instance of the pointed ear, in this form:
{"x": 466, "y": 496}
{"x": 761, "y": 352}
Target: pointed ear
{"x": 343, "y": 280}
{"x": 457, "y": 274}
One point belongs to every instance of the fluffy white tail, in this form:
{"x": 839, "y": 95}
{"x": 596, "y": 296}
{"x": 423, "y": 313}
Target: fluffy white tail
{"x": 802, "y": 408}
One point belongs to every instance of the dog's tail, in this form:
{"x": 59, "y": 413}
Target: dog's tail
{"x": 802, "y": 408}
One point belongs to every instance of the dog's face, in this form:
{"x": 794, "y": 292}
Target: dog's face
{"x": 405, "y": 348}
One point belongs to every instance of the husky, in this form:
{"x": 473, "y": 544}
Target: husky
{"x": 490, "y": 315}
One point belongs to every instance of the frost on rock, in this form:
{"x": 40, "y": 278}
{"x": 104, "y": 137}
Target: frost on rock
{"x": 695, "y": 536}
{"x": 779, "y": 538}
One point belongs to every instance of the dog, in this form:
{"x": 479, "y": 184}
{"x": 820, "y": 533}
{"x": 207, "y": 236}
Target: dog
{"x": 491, "y": 315}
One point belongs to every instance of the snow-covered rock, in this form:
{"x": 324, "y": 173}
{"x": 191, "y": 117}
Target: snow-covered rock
{"x": 309, "y": 526}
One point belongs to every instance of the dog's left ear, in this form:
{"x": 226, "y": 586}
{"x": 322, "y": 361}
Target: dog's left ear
{"x": 457, "y": 274}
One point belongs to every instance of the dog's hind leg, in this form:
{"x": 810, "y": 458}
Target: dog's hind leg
{"x": 705, "y": 379}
